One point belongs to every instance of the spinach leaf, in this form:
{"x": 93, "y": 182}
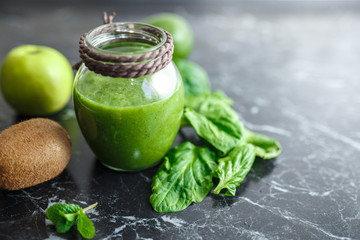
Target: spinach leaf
{"x": 233, "y": 168}
{"x": 194, "y": 77}
{"x": 214, "y": 108}
{"x": 184, "y": 177}
{"x": 221, "y": 96}
{"x": 217, "y": 123}
{"x": 194, "y": 101}
{"x": 265, "y": 147}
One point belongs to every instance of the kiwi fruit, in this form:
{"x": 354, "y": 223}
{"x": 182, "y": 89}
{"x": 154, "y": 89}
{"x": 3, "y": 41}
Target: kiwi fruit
{"x": 32, "y": 152}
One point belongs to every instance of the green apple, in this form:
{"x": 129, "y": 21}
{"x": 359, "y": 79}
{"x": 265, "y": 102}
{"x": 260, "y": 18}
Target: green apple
{"x": 180, "y": 30}
{"x": 36, "y": 80}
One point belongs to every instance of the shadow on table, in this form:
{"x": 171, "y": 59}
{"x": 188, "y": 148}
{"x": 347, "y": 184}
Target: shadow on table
{"x": 121, "y": 193}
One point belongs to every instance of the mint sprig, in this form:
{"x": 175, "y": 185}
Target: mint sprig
{"x": 65, "y": 215}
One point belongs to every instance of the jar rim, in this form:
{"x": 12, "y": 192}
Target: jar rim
{"x": 94, "y": 39}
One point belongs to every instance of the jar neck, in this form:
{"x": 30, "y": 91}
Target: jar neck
{"x": 125, "y": 39}
{"x": 126, "y": 49}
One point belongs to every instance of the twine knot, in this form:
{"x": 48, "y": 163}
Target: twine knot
{"x": 108, "y": 19}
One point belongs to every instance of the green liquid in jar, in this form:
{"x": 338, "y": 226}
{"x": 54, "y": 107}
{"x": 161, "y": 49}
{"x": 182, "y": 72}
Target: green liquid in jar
{"x": 127, "y": 124}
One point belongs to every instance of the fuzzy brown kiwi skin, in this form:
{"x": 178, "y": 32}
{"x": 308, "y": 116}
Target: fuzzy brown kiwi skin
{"x": 32, "y": 152}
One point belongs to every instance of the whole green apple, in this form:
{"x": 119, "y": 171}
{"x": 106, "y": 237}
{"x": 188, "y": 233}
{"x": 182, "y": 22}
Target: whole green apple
{"x": 180, "y": 30}
{"x": 36, "y": 80}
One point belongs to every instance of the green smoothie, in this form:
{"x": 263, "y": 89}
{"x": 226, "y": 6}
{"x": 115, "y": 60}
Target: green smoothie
{"x": 128, "y": 123}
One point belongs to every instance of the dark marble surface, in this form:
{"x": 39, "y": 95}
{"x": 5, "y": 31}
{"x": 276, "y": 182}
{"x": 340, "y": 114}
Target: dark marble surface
{"x": 292, "y": 69}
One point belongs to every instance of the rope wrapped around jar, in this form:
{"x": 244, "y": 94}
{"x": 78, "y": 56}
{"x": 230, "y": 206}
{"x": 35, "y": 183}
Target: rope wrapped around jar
{"x": 131, "y": 66}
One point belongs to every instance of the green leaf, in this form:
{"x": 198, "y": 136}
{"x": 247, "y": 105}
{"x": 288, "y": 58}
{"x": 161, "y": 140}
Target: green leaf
{"x": 265, "y": 147}
{"x": 65, "y": 215}
{"x": 233, "y": 168}
{"x": 194, "y": 101}
{"x": 64, "y": 225}
{"x": 85, "y": 226}
{"x": 194, "y": 77}
{"x": 221, "y": 96}
{"x": 54, "y": 215}
{"x": 184, "y": 177}
{"x": 69, "y": 216}
{"x": 217, "y": 109}
{"x": 217, "y": 123}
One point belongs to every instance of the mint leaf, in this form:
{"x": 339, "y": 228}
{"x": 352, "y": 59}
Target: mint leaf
{"x": 217, "y": 123}
{"x": 64, "y": 226}
{"x": 85, "y": 226}
{"x": 185, "y": 176}
{"x": 69, "y": 216}
{"x": 68, "y": 220}
{"x": 265, "y": 147}
{"x": 65, "y": 215}
{"x": 54, "y": 215}
{"x": 233, "y": 168}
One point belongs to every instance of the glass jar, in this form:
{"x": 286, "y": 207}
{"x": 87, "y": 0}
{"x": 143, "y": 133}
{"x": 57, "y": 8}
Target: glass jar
{"x": 130, "y": 123}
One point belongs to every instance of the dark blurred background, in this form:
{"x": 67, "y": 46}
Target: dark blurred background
{"x": 240, "y": 43}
